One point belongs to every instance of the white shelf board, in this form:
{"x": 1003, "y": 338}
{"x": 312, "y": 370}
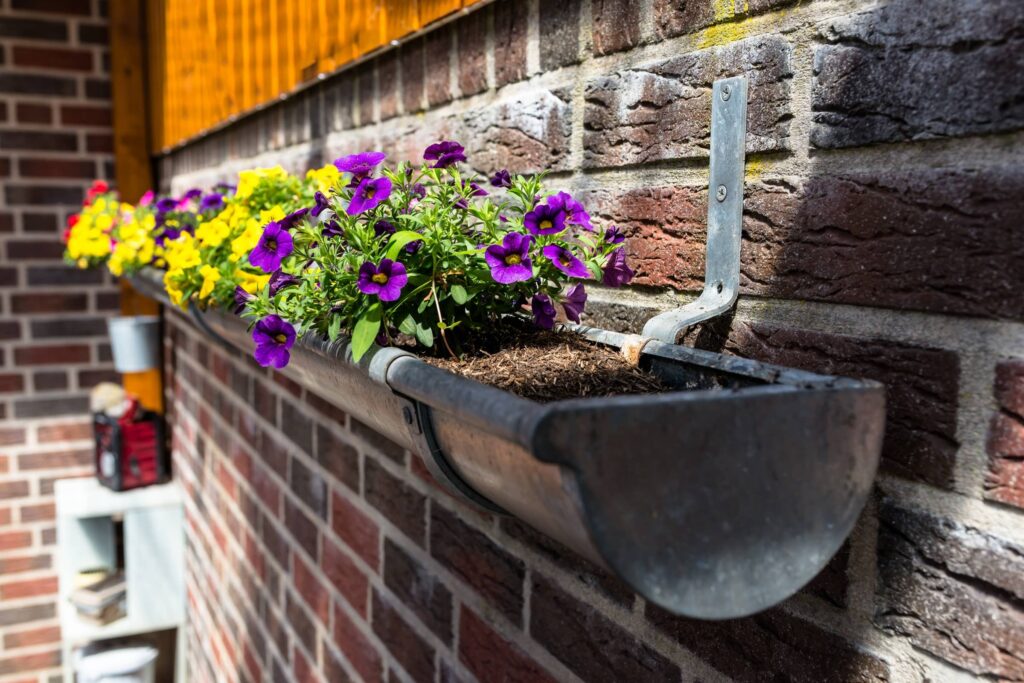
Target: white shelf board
{"x": 88, "y": 498}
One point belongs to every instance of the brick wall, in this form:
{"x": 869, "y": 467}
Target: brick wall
{"x": 882, "y": 239}
{"x": 55, "y": 137}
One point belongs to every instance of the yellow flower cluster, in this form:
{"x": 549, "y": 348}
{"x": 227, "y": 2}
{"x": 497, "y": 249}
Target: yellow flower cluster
{"x": 134, "y": 242}
{"x": 88, "y": 240}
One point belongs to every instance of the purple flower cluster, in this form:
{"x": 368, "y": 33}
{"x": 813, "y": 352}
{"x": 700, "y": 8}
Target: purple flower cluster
{"x": 444, "y": 153}
{"x": 274, "y": 336}
{"x": 510, "y": 260}
{"x": 274, "y": 246}
{"x": 385, "y": 279}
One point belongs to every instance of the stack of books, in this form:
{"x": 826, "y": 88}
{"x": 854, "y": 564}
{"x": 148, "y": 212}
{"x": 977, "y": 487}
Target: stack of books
{"x": 101, "y": 602}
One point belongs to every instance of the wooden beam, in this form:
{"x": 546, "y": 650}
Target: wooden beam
{"x": 132, "y": 166}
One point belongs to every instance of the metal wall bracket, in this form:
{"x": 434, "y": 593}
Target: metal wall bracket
{"x": 725, "y": 215}
{"x": 417, "y": 420}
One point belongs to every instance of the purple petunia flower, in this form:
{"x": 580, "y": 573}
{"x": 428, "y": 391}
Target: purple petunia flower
{"x": 360, "y": 165}
{"x": 616, "y": 272}
{"x": 273, "y": 336}
{"x": 574, "y": 301}
{"x": 501, "y": 179}
{"x": 194, "y": 193}
{"x": 383, "y": 227}
{"x": 565, "y": 261}
{"x": 289, "y": 221}
{"x": 211, "y": 202}
{"x": 279, "y": 280}
{"x": 419, "y": 191}
{"x": 545, "y": 219}
{"x": 444, "y": 153}
{"x": 575, "y": 214}
{"x": 242, "y": 297}
{"x": 385, "y": 280}
{"x": 413, "y": 247}
{"x": 510, "y": 260}
{"x": 477, "y": 190}
{"x": 543, "y": 311}
{"x": 614, "y": 236}
{"x": 320, "y": 204}
{"x": 369, "y": 194}
{"x": 166, "y": 204}
{"x": 274, "y": 245}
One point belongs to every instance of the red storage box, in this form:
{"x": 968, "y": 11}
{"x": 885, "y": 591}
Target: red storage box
{"x": 130, "y": 450}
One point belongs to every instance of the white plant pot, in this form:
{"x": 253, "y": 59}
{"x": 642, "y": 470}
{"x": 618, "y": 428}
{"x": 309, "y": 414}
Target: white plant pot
{"x": 135, "y": 342}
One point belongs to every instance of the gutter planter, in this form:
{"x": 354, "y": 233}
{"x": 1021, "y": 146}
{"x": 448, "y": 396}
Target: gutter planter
{"x": 715, "y": 500}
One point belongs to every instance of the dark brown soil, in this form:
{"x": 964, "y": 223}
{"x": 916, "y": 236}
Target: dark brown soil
{"x": 549, "y": 366}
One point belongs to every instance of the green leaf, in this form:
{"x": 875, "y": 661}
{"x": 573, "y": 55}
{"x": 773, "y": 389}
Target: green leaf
{"x": 424, "y": 335}
{"x": 399, "y": 240}
{"x": 408, "y": 325}
{"x": 459, "y": 294}
{"x": 334, "y": 329}
{"x": 365, "y": 331}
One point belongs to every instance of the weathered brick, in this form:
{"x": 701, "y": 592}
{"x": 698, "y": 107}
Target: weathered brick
{"x": 297, "y": 425}
{"x": 387, "y": 85}
{"x": 617, "y": 25}
{"x": 312, "y": 592}
{"x": 953, "y": 590}
{"x": 63, "y": 276}
{"x": 309, "y": 487}
{"x": 402, "y": 505}
{"x": 510, "y": 36}
{"x": 50, "y": 407}
{"x": 674, "y": 18}
{"x": 413, "y": 77}
{"x": 411, "y": 651}
{"x": 20, "y": 564}
{"x": 28, "y": 613}
{"x": 591, "y": 645}
{"x": 479, "y": 561}
{"x": 302, "y": 529}
{"x": 367, "y": 84}
{"x": 559, "y": 33}
{"x": 418, "y": 589}
{"x": 907, "y": 71}
{"x": 921, "y": 389}
{"x": 772, "y": 646}
{"x": 60, "y": 328}
{"x": 29, "y": 662}
{"x": 338, "y": 458}
{"x": 28, "y": 588}
{"x": 44, "y": 635}
{"x": 1004, "y": 481}
{"x": 662, "y": 111}
{"x": 437, "y": 51}
{"x": 48, "y": 302}
{"x": 472, "y": 61}
{"x": 529, "y": 133}
{"x": 492, "y": 658}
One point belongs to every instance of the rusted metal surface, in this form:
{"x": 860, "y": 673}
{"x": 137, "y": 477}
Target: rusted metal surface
{"x": 714, "y": 501}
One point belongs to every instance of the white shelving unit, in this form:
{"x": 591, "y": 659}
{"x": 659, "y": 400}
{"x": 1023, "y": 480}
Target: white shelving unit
{"x": 154, "y": 558}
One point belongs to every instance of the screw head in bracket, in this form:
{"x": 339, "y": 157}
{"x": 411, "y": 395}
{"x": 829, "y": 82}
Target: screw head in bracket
{"x": 407, "y": 415}
{"x": 721, "y": 193}
{"x": 726, "y": 91}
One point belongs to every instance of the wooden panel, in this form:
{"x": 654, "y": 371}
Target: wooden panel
{"x": 213, "y": 59}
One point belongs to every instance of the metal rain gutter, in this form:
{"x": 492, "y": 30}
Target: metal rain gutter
{"x": 715, "y": 500}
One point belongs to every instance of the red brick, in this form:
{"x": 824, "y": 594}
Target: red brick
{"x": 55, "y": 459}
{"x": 591, "y": 645}
{"x": 12, "y": 436}
{"x": 36, "y": 636}
{"x": 43, "y": 512}
{"x": 617, "y": 25}
{"x": 51, "y": 355}
{"x": 418, "y": 589}
{"x": 479, "y": 561}
{"x": 65, "y": 431}
{"x": 11, "y": 383}
{"x": 438, "y": 66}
{"x": 313, "y": 593}
{"x": 34, "y": 113}
{"x": 43, "y": 250}
{"x": 27, "y": 563}
{"x": 356, "y": 647}
{"x": 1004, "y": 481}
{"x": 472, "y": 61}
{"x": 11, "y": 540}
{"x": 32, "y": 662}
{"x": 510, "y": 37}
{"x": 77, "y": 115}
{"x": 356, "y": 529}
{"x": 52, "y": 58}
{"x": 13, "y": 489}
{"x": 55, "y": 167}
{"x": 493, "y": 659}
{"x": 413, "y": 77}
{"x": 952, "y": 590}
{"x": 401, "y": 504}
{"x": 79, "y": 7}
{"x": 345, "y": 576}
{"x": 48, "y": 302}
{"x": 99, "y": 142}
{"x": 30, "y": 588}
{"x": 414, "y": 654}
{"x": 302, "y": 529}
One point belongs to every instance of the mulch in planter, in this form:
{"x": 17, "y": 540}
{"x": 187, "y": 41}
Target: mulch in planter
{"x": 549, "y": 366}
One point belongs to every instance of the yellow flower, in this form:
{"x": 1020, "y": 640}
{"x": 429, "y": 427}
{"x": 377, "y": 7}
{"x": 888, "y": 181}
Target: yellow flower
{"x": 212, "y": 233}
{"x": 250, "y": 282}
{"x": 247, "y": 241}
{"x": 325, "y": 178}
{"x": 174, "y": 292}
{"x": 181, "y": 253}
{"x": 248, "y": 180}
{"x": 210, "y": 277}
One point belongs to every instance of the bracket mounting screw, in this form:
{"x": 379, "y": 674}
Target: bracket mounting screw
{"x": 721, "y": 193}
{"x": 726, "y": 91}
{"x": 407, "y": 414}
